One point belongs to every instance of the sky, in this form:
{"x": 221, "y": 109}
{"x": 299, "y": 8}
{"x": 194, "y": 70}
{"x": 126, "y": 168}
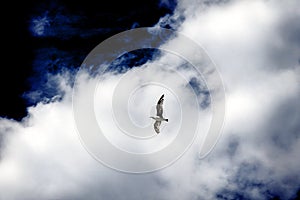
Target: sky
{"x": 75, "y": 126}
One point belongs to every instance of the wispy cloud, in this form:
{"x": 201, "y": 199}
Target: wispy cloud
{"x": 39, "y": 25}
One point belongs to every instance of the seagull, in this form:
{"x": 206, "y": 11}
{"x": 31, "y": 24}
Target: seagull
{"x": 159, "y": 112}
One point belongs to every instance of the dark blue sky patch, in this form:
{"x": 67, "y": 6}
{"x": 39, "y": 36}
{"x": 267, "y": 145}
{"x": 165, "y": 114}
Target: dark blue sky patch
{"x": 65, "y": 27}
{"x": 133, "y": 59}
{"x": 54, "y": 60}
{"x": 63, "y": 33}
{"x": 66, "y": 21}
{"x": 48, "y": 63}
{"x": 170, "y": 4}
{"x": 68, "y": 26}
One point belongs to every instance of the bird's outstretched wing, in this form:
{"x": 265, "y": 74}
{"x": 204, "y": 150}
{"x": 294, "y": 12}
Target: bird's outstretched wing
{"x": 159, "y": 108}
{"x": 156, "y": 126}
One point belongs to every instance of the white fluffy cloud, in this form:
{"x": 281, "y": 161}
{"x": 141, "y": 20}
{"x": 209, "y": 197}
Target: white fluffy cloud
{"x": 255, "y": 47}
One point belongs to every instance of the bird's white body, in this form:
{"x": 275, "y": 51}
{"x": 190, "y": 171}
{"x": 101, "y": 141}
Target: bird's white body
{"x": 159, "y": 119}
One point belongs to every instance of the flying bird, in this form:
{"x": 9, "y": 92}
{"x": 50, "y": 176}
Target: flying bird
{"x": 159, "y": 112}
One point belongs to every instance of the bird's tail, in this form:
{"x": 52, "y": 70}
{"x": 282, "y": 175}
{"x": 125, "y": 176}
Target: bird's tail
{"x": 167, "y": 120}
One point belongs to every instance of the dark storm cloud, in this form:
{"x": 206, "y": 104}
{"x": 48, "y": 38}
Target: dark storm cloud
{"x": 278, "y": 140}
{"x": 202, "y": 91}
{"x": 284, "y": 45}
{"x": 285, "y": 129}
{"x": 232, "y": 146}
{"x": 215, "y": 2}
{"x": 245, "y": 183}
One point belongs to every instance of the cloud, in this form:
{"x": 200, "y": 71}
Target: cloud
{"x": 259, "y": 67}
{"x": 255, "y": 48}
{"x": 39, "y": 24}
